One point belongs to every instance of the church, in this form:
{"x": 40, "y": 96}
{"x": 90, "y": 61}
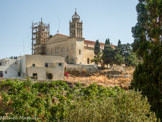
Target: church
{"x": 73, "y": 47}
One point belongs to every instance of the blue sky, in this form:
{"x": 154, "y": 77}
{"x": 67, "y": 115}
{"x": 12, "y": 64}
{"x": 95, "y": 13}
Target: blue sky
{"x": 101, "y": 19}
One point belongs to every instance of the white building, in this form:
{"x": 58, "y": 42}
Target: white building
{"x": 33, "y": 66}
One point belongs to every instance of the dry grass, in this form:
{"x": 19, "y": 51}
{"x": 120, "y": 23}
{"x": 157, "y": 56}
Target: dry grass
{"x": 101, "y": 80}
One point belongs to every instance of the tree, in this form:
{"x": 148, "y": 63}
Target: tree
{"x": 97, "y": 57}
{"x": 147, "y": 44}
{"x": 129, "y": 56}
{"x": 118, "y": 58}
{"x": 107, "y": 56}
{"x": 119, "y": 43}
{"x": 97, "y": 47}
{"x": 148, "y": 78}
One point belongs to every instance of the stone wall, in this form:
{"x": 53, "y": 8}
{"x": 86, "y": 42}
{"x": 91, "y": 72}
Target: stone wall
{"x": 81, "y": 68}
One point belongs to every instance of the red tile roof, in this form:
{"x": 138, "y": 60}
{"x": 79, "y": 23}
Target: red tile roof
{"x": 93, "y": 43}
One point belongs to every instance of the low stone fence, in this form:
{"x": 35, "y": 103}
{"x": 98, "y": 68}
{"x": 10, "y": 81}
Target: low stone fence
{"x": 80, "y": 69}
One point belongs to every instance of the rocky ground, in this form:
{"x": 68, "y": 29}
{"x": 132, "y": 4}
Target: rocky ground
{"x": 108, "y": 78}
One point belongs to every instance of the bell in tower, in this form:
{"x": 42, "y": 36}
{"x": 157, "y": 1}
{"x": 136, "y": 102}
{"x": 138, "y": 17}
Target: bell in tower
{"x": 76, "y": 26}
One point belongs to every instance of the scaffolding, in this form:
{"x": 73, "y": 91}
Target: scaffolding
{"x": 40, "y": 34}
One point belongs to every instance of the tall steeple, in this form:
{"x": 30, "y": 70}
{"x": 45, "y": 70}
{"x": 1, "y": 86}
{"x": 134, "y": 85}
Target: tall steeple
{"x": 76, "y": 26}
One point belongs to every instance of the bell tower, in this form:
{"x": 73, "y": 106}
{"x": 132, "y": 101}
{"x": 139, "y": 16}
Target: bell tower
{"x": 76, "y": 26}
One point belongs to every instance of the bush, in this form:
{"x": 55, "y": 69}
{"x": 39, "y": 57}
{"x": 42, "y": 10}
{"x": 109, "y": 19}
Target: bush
{"x": 58, "y": 101}
{"x": 127, "y": 106}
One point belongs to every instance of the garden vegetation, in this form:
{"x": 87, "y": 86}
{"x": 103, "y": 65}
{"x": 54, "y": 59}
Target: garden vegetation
{"x": 62, "y": 101}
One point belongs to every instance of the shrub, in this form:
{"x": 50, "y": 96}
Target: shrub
{"x": 126, "y": 106}
{"x": 57, "y": 101}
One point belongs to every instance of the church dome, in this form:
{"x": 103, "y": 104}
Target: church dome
{"x": 76, "y": 16}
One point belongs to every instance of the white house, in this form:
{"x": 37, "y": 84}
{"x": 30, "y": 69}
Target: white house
{"x": 35, "y": 66}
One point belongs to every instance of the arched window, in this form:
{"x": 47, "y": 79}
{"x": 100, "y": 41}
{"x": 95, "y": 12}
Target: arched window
{"x": 79, "y": 52}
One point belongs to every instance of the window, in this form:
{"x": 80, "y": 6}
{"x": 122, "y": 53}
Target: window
{"x": 46, "y": 64}
{"x": 0, "y": 64}
{"x": 60, "y": 64}
{"x": 33, "y": 65}
{"x": 49, "y": 76}
{"x": 34, "y": 74}
{"x": 19, "y": 74}
{"x": 5, "y": 72}
{"x": 87, "y": 60}
{"x": 79, "y": 52}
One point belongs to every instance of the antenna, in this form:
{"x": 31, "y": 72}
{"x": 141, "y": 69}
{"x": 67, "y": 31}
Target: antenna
{"x": 58, "y": 27}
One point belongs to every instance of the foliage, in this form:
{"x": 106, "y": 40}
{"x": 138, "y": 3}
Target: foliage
{"x": 107, "y": 56}
{"x": 148, "y": 27}
{"x": 126, "y": 106}
{"x": 118, "y": 57}
{"x": 97, "y": 57}
{"x": 148, "y": 78}
{"x": 121, "y": 54}
{"x": 147, "y": 44}
{"x": 97, "y": 47}
{"x": 61, "y": 101}
{"x": 128, "y": 55}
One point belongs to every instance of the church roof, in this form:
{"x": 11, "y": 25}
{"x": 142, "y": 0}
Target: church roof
{"x": 93, "y": 43}
{"x": 61, "y": 34}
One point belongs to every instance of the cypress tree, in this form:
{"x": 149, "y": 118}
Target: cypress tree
{"x": 147, "y": 44}
{"x": 97, "y": 47}
{"x": 119, "y": 43}
{"x": 107, "y": 53}
{"x": 97, "y": 57}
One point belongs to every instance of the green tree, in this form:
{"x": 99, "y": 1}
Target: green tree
{"x": 107, "y": 56}
{"x": 97, "y": 47}
{"x": 97, "y": 57}
{"x": 117, "y": 52}
{"x": 147, "y": 44}
{"x": 119, "y": 43}
{"x": 129, "y": 56}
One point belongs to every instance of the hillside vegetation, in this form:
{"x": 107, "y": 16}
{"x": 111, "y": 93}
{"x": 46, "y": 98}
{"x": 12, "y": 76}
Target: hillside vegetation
{"x": 62, "y": 101}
